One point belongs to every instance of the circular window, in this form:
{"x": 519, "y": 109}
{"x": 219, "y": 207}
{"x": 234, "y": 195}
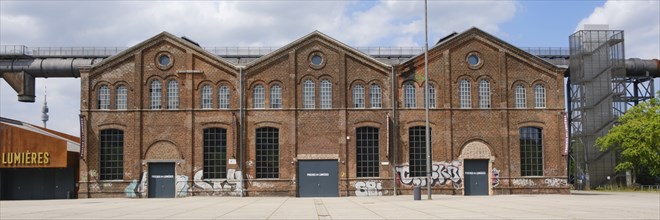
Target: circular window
{"x": 317, "y": 60}
{"x": 474, "y": 61}
{"x": 164, "y": 60}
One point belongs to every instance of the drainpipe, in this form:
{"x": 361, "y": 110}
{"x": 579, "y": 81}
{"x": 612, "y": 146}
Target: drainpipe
{"x": 394, "y": 128}
{"x": 241, "y": 125}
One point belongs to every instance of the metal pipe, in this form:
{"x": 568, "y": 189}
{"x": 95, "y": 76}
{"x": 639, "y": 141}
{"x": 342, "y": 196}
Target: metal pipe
{"x": 47, "y": 67}
{"x": 242, "y": 125}
{"x": 394, "y": 129}
{"x": 426, "y": 100}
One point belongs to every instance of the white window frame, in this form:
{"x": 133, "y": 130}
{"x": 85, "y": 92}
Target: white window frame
{"x": 156, "y": 90}
{"x": 259, "y": 97}
{"x": 358, "y": 96}
{"x": 223, "y": 97}
{"x": 308, "y": 94}
{"x": 122, "y": 98}
{"x": 207, "y": 97}
{"x": 484, "y": 93}
{"x": 520, "y": 99}
{"x": 465, "y": 95}
{"x": 172, "y": 94}
{"x": 276, "y": 97}
{"x": 409, "y": 95}
{"x": 325, "y": 88}
{"x": 104, "y": 97}
{"x": 539, "y": 96}
{"x": 375, "y": 94}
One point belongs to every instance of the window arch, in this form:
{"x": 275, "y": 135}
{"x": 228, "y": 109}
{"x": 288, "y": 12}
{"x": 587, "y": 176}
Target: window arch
{"x": 215, "y": 153}
{"x": 308, "y": 94}
{"x": 172, "y": 94}
{"x": 276, "y": 96}
{"x": 358, "y": 96}
{"x": 259, "y": 96}
{"x": 375, "y": 96}
{"x": 267, "y": 152}
{"x": 223, "y": 97}
{"x": 121, "y": 102}
{"x": 366, "y": 146}
{"x": 539, "y": 96}
{"x": 207, "y": 94}
{"x": 465, "y": 96}
{"x": 484, "y": 93}
{"x": 431, "y": 96}
{"x": 156, "y": 90}
{"x": 409, "y": 95}
{"x": 417, "y": 150}
{"x": 104, "y": 97}
{"x": 326, "y": 94}
{"x": 531, "y": 151}
{"x": 520, "y": 100}
{"x": 111, "y": 155}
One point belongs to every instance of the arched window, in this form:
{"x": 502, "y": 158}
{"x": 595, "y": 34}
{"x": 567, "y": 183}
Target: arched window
{"x": 259, "y": 98}
{"x": 215, "y": 153}
{"x": 308, "y": 94}
{"x": 376, "y": 96}
{"x": 111, "y": 154}
{"x": 464, "y": 94}
{"x": 417, "y": 151}
{"x": 122, "y": 98}
{"x": 223, "y": 97}
{"x": 275, "y": 96}
{"x": 531, "y": 151}
{"x": 326, "y": 94}
{"x": 156, "y": 92}
{"x": 104, "y": 97}
{"x": 267, "y": 152}
{"x": 519, "y": 93}
{"x": 484, "y": 93}
{"x": 431, "y": 95}
{"x": 366, "y": 146}
{"x": 539, "y": 96}
{"x": 358, "y": 96}
{"x": 207, "y": 94}
{"x": 409, "y": 95}
{"x": 172, "y": 94}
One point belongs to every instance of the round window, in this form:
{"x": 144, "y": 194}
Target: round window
{"x": 317, "y": 60}
{"x": 164, "y": 60}
{"x": 473, "y": 60}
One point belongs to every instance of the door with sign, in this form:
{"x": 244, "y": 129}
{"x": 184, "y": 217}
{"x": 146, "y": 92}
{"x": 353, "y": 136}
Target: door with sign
{"x": 476, "y": 177}
{"x": 161, "y": 180}
{"x": 318, "y": 178}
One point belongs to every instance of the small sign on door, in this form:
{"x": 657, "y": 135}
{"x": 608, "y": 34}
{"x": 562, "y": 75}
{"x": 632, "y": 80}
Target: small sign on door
{"x": 232, "y": 161}
{"x": 318, "y": 174}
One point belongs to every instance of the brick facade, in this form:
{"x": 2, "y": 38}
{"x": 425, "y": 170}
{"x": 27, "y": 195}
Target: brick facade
{"x": 176, "y": 135}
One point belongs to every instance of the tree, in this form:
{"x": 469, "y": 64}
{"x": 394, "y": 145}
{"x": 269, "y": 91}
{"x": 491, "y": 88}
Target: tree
{"x": 637, "y": 136}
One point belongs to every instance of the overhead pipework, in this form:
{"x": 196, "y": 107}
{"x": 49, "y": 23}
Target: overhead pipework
{"x": 20, "y": 73}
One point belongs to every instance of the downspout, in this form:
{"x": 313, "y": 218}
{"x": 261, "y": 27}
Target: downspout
{"x": 241, "y": 129}
{"x": 394, "y": 127}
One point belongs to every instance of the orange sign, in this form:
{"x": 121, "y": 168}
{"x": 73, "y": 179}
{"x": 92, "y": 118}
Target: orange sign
{"x": 21, "y": 148}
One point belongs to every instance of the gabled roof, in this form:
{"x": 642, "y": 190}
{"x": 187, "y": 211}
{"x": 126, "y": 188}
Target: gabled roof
{"x": 156, "y": 39}
{"x": 456, "y": 37}
{"x": 73, "y": 143}
{"x": 310, "y": 36}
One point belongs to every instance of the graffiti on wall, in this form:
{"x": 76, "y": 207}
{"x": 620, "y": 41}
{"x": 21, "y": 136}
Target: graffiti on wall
{"x": 368, "y": 188}
{"x": 495, "y": 177}
{"x": 231, "y": 184}
{"x": 182, "y": 185}
{"x": 441, "y": 174}
{"x": 523, "y": 182}
{"x": 135, "y": 188}
{"x": 554, "y": 182}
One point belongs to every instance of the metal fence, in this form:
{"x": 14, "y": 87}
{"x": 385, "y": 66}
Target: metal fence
{"x": 649, "y": 187}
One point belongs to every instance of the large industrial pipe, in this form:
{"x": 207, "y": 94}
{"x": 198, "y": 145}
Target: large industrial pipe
{"x": 47, "y": 67}
{"x": 639, "y": 67}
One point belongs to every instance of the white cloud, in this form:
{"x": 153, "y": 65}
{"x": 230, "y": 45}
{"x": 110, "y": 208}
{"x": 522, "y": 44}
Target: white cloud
{"x": 640, "y": 21}
{"x": 224, "y": 23}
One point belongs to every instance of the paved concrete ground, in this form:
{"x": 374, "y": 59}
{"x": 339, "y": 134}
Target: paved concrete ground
{"x": 579, "y": 205}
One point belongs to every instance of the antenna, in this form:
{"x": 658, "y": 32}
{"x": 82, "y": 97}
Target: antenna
{"x": 44, "y": 109}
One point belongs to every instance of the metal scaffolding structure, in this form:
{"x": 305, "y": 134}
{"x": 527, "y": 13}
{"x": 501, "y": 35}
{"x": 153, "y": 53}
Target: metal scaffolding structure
{"x": 599, "y": 91}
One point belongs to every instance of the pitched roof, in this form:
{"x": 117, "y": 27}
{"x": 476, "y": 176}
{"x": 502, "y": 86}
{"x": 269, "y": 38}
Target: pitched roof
{"x": 163, "y": 35}
{"x": 310, "y": 36}
{"x": 474, "y": 30}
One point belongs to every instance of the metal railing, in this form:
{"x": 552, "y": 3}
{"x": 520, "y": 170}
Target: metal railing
{"x": 22, "y": 50}
{"x": 548, "y": 51}
{"x": 649, "y": 187}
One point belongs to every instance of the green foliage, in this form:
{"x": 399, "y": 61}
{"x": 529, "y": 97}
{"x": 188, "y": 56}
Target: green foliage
{"x": 637, "y": 136}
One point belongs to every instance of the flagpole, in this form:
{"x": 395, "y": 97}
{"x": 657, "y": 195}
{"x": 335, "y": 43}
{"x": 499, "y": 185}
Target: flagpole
{"x": 426, "y": 101}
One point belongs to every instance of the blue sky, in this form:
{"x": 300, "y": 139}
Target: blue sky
{"x": 276, "y": 23}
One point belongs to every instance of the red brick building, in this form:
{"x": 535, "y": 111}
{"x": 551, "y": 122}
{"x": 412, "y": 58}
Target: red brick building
{"x": 317, "y": 117}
